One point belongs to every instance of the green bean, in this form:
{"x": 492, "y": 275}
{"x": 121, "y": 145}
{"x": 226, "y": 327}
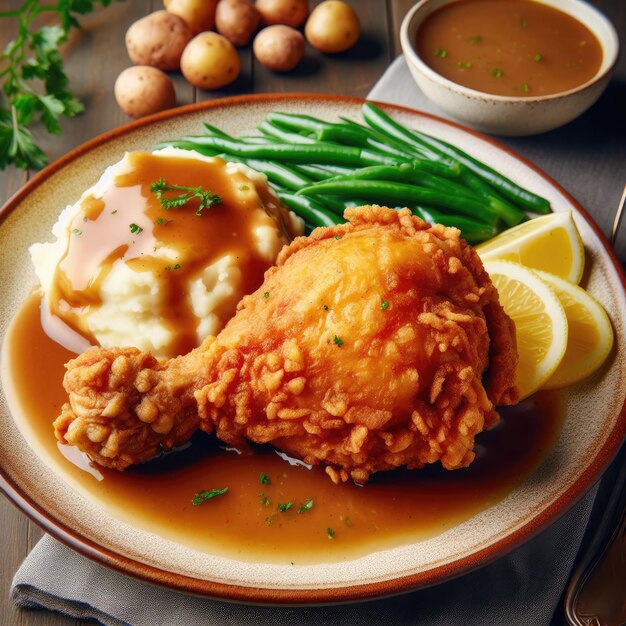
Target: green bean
{"x": 392, "y": 145}
{"x": 472, "y": 231}
{"x": 312, "y": 171}
{"x": 348, "y": 134}
{"x": 273, "y": 130}
{"x": 279, "y": 173}
{"x": 384, "y": 124}
{"x": 409, "y": 173}
{"x": 374, "y": 116}
{"x": 309, "y": 210}
{"x": 335, "y": 133}
{"x": 215, "y": 131}
{"x": 317, "y": 153}
{"x": 505, "y": 186}
{"x": 381, "y": 121}
{"x": 297, "y": 122}
{"x": 257, "y": 140}
{"x": 402, "y": 193}
{"x": 510, "y": 215}
{"x": 332, "y": 169}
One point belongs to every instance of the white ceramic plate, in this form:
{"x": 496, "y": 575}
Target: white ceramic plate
{"x": 591, "y": 434}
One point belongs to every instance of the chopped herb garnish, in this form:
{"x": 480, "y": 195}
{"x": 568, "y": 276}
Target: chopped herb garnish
{"x": 135, "y": 229}
{"x": 330, "y": 532}
{"x": 384, "y": 305}
{"x": 538, "y": 57}
{"x": 496, "y": 72}
{"x": 160, "y": 220}
{"x": 338, "y": 341}
{"x": 77, "y": 231}
{"x": 476, "y": 38}
{"x": 525, "y": 87}
{"x": 325, "y": 307}
{"x": 441, "y": 53}
{"x": 114, "y": 212}
{"x": 464, "y": 65}
{"x": 265, "y": 501}
{"x": 243, "y": 188}
{"x": 269, "y": 520}
{"x": 266, "y": 294}
{"x": 264, "y": 479}
{"x": 337, "y": 237}
{"x": 173, "y": 267}
{"x": 285, "y": 507}
{"x": 161, "y": 187}
{"x": 306, "y": 506}
{"x": 203, "y": 496}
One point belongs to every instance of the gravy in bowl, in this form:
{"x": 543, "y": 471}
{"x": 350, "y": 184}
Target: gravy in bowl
{"x": 509, "y": 47}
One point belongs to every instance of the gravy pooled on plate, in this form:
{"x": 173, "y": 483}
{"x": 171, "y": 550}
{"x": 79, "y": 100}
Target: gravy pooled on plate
{"x": 337, "y": 521}
{"x": 508, "y": 47}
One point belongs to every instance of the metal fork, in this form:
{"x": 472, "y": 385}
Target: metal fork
{"x": 596, "y": 594}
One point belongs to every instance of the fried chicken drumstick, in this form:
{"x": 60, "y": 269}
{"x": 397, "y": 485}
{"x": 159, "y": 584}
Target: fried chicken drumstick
{"x": 371, "y": 345}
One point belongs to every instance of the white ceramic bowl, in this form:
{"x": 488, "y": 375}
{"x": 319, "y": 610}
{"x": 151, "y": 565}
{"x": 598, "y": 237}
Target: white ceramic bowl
{"x": 505, "y": 115}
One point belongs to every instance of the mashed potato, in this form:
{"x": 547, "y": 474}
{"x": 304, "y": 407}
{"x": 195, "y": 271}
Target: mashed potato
{"x": 124, "y": 271}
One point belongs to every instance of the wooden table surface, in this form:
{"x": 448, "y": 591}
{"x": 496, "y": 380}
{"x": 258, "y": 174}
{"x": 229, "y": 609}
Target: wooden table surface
{"x": 94, "y": 58}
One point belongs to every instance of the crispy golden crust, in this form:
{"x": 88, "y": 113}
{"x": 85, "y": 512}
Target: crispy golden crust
{"x": 125, "y": 407}
{"x": 323, "y": 370}
{"x": 368, "y": 347}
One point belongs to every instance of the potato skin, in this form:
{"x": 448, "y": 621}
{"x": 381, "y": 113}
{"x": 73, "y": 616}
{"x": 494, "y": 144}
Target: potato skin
{"x": 279, "y": 47}
{"x": 288, "y": 12}
{"x": 237, "y": 20}
{"x": 332, "y": 27}
{"x": 199, "y": 15}
{"x": 158, "y": 40}
{"x": 210, "y": 61}
{"x": 142, "y": 90}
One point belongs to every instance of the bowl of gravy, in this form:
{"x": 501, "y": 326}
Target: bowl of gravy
{"x": 510, "y": 67}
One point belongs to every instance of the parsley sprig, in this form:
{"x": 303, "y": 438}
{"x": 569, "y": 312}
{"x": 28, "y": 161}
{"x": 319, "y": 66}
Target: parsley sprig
{"x": 161, "y": 187}
{"x": 32, "y": 78}
{"x": 203, "y": 496}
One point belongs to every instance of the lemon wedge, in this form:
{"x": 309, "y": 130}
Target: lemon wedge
{"x": 550, "y": 243}
{"x": 540, "y": 322}
{"x": 590, "y": 336}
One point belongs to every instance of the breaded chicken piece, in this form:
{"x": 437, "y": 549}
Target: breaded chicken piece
{"x": 372, "y": 345}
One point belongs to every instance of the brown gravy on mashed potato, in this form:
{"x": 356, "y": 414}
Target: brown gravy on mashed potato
{"x": 245, "y": 523}
{"x": 104, "y": 231}
{"x": 508, "y": 47}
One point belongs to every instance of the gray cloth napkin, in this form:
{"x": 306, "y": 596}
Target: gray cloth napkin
{"x": 523, "y": 588}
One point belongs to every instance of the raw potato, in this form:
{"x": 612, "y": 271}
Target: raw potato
{"x": 143, "y": 90}
{"x": 279, "y": 47}
{"x": 236, "y": 20}
{"x": 289, "y": 12}
{"x": 158, "y": 40}
{"x": 210, "y": 61}
{"x": 332, "y": 27}
{"x": 198, "y": 14}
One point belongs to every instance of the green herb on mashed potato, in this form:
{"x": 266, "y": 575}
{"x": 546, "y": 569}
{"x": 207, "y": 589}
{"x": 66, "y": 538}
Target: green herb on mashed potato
{"x": 161, "y": 187}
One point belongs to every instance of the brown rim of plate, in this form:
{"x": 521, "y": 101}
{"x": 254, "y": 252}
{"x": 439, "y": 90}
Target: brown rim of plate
{"x": 394, "y": 586}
